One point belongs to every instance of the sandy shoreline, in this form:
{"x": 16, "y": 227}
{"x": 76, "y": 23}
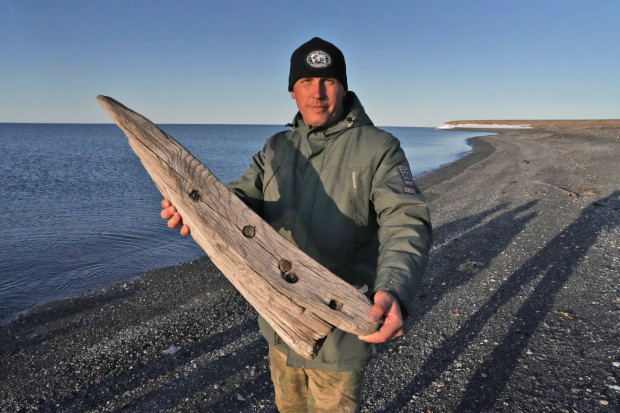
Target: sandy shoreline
{"x": 519, "y": 310}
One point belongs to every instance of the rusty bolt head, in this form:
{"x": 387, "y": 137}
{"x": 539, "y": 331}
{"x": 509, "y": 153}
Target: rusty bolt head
{"x": 194, "y": 195}
{"x": 249, "y": 231}
{"x": 285, "y": 265}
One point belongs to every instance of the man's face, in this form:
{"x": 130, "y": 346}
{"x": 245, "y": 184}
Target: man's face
{"x": 319, "y": 99}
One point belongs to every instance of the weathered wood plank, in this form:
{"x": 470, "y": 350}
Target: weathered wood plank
{"x": 297, "y": 296}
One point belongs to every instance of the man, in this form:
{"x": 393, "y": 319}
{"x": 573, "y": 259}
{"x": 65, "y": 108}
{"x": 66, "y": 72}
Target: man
{"x": 341, "y": 190}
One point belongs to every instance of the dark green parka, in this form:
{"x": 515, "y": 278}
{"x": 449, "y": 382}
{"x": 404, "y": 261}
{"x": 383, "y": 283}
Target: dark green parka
{"x": 343, "y": 194}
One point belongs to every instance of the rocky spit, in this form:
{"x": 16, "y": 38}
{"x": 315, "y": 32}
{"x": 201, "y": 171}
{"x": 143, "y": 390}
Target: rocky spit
{"x": 519, "y": 310}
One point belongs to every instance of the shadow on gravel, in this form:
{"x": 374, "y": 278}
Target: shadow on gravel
{"x": 173, "y": 391}
{"x": 51, "y": 321}
{"x": 557, "y": 260}
{"x": 459, "y": 262}
{"x": 491, "y": 239}
{"x": 185, "y": 392}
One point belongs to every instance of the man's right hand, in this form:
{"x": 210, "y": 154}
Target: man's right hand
{"x": 170, "y": 213}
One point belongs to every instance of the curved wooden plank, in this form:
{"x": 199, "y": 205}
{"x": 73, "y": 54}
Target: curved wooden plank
{"x": 297, "y": 296}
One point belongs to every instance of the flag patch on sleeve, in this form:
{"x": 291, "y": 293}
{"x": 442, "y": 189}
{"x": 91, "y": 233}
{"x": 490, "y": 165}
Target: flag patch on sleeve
{"x": 405, "y": 173}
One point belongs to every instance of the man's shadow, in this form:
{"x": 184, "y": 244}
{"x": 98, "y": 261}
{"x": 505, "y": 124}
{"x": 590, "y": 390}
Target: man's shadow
{"x": 558, "y": 260}
{"x": 455, "y": 262}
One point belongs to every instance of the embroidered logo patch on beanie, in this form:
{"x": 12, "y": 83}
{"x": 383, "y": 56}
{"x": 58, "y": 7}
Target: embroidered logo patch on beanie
{"x": 318, "y": 59}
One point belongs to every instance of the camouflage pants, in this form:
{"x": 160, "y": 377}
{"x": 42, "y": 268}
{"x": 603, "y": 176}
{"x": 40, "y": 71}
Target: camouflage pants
{"x": 305, "y": 390}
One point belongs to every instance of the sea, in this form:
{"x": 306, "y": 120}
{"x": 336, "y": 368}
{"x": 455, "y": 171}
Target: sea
{"x": 81, "y": 213}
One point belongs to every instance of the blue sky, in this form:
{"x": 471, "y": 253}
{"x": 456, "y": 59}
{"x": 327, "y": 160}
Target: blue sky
{"x": 412, "y": 63}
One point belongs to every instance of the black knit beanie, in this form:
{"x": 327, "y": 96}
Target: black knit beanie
{"x": 317, "y": 58}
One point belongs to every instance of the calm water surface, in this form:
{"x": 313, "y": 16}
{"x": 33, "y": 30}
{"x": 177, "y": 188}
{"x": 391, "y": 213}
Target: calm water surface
{"x": 82, "y": 213}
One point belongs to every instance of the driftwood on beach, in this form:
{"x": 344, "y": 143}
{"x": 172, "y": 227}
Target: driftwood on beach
{"x": 297, "y": 296}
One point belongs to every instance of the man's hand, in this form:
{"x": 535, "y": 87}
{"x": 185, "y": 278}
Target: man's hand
{"x": 170, "y": 213}
{"x": 386, "y": 308}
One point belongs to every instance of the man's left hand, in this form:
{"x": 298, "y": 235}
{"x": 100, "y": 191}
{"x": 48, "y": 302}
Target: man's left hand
{"x": 386, "y": 308}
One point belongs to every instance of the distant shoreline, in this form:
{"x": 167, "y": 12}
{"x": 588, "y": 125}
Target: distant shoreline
{"x": 531, "y": 123}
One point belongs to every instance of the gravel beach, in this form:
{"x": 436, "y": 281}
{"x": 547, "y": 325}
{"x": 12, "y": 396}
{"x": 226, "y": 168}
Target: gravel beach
{"x": 519, "y": 310}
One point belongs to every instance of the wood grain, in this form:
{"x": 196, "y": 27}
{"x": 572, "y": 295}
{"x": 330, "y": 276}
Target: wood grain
{"x": 297, "y": 296}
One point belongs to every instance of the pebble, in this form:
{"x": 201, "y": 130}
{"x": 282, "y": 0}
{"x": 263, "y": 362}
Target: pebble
{"x": 240, "y": 397}
{"x": 616, "y": 364}
{"x": 172, "y": 350}
{"x": 603, "y": 402}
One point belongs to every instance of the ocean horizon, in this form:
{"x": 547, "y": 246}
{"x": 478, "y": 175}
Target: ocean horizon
{"x": 85, "y": 214}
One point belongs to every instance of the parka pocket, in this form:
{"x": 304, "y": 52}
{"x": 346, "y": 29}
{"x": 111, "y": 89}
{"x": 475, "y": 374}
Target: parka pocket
{"x": 359, "y": 192}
